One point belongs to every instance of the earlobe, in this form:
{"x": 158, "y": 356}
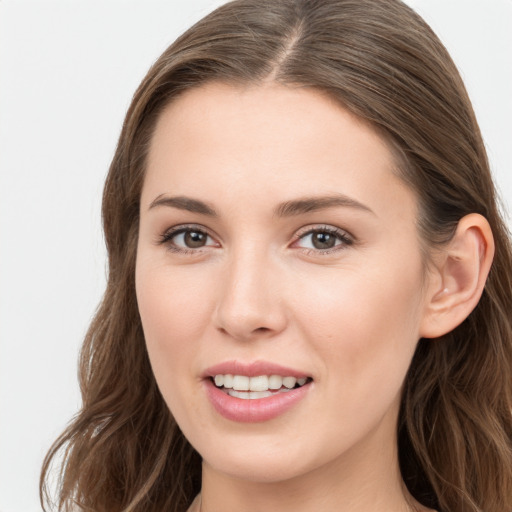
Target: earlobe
{"x": 459, "y": 275}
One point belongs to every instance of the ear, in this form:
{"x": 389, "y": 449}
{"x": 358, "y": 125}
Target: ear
{"x": 458, "y": 276}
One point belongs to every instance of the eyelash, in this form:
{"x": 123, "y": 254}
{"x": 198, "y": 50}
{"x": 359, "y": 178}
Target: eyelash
{"x": 168, "y": 237}
{"x": 342, "y": 236}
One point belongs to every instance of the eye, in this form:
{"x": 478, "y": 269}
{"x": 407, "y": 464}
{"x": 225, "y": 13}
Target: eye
{"x": 192, "y": 239}
{"x": 187, "y": 239}
{"x": 324, "y": 239}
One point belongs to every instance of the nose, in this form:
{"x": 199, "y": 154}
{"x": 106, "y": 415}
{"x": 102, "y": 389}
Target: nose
{"x": 251, "y": 304}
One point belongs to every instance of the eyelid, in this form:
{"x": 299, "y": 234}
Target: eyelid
{"x": 166, "y": 238}
{"x": 342, "y": 235}
{"x": 346, "y": 238}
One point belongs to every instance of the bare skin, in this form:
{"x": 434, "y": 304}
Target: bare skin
{"x": 338, "y": 292}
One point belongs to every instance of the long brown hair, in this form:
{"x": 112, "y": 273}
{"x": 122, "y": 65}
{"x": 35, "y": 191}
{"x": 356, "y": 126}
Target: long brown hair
{"x": 123, "y": 451}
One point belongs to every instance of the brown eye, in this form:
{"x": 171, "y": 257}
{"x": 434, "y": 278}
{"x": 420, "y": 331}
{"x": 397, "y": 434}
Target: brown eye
{"x": 323, "y": 240}
{"x": 187, "y": 239}
{"x": 195, "y": 239}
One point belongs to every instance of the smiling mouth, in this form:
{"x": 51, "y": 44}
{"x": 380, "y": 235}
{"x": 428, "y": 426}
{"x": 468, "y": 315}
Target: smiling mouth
{"x": 261, "y": 386}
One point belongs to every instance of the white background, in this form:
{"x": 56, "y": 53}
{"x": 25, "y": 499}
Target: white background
{"x": 67, "y": 72}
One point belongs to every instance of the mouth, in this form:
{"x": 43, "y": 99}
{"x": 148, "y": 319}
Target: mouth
{"x": 255, "y": 391}
{"x": 257, "y": 387}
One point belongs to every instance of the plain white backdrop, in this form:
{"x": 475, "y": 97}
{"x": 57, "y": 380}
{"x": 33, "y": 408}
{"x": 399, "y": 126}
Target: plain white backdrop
{"x": 68, "y": 70}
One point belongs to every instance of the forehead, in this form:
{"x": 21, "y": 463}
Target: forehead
{"x": 269, "y": 142}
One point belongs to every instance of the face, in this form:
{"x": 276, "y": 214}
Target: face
{"x": 276, "y": 241}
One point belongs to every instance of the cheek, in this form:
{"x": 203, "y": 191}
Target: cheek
{"x": 174, "y": 314}
{"x": 365, "y": 332}
{"x": 365, "y": 325}
{"x": 172, "y": 306}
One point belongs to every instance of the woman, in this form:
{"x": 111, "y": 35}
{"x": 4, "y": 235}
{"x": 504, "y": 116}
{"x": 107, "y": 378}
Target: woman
{"x": 308, "y": 303}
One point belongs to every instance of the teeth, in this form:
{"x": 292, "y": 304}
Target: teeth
{"x": 251, "y": 395}
{"x": 256, "y": 385}
{"x": 289, "y": 382}
{"x": 241, "y": 382}
{"x": 228, "y": 381}
{"x": 275, "y": 381}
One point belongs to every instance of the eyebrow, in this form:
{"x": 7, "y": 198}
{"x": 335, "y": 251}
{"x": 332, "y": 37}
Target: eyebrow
{"x": 313, "y": 204}
{"x": 286, "y": 209}
{"x": 184, "y": 203}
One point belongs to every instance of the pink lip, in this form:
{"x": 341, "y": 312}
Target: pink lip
{"x": 253, "y": 411}
{"x": 257, "y": 410}
{"x": 252, "y": 369}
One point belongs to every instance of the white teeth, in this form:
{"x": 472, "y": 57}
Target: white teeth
{"x": 228, "y": 381}
{"x": 289, "y": 382}
{"x": 240, "y": 382}
{"x": 275, "y": 381}
{"x": 258, "y": 384}
{"x": 251, "y": 395}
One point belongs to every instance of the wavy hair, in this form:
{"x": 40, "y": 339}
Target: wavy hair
{"x": 123, "y": 451}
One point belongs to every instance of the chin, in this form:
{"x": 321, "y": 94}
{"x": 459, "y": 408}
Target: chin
{"x": 262, "y": 459}
{"x": 258, "y": 470}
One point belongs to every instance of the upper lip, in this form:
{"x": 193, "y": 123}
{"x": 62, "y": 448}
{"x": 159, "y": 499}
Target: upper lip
{"x": 252, "y": 369}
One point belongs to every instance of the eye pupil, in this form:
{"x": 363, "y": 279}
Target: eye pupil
{"x": 323, "y": 240}
{"x": 195, "y": 239}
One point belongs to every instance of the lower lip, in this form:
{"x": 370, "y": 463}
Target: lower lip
{"x": 253, "y": 410}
